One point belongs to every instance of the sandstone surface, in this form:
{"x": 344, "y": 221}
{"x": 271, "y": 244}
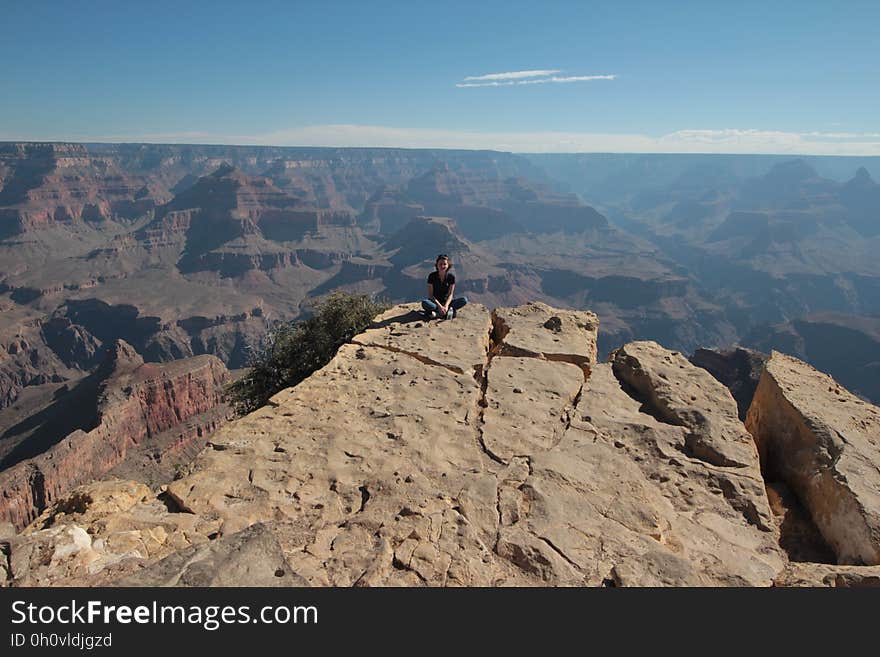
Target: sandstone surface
{"x": 251, "y": 557}
{"x": 400, "y": 465}
{"x": 536, "y": 329}
{"x": 824, "y": 443}
{"x": 100, "y": 532}
{"x": 659, "y": 515}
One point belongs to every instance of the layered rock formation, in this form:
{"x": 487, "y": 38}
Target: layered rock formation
{"x": 489, "y": 450}
{"x": 175, "y": 233}
{"x": 485, "y": 206}
{"x": 26, "y": 360}
{"x": 49, "y": 184}
{"x": 137, "y": 418}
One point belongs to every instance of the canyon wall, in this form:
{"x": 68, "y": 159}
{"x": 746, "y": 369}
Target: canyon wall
{"x": 139, "y": 407}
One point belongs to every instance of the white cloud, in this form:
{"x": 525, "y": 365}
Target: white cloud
{"x": 729, "y": 140}
{"x": 844, "y": 135}
{"x": 525, "y": 77}
{"x": 484, "y": 84}
{"x": 575, "y": 78}
{"x": 513, "y": 75}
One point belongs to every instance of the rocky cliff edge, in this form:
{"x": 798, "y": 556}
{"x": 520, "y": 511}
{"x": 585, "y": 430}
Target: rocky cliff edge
{"x": 490, "y": 450}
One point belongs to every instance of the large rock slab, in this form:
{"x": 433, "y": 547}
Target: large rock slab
{"x": 371, "y": 471}
{"x": 682, "y": 394}
{"x": 528, "y": 402}
{"x": 536, "y": 329}
{"x": 824, "y": 442}
{"x": 619, "y": 502}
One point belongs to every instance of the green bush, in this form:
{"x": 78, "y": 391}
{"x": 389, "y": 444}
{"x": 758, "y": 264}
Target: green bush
{"x": 293, "y": 350}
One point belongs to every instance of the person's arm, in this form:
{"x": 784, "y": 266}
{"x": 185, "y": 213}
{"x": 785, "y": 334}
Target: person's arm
{"x": 431, "y": 293}
{"x": 449, "y": 298}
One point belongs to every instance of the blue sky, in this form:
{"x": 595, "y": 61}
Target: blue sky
{"x": 762, "y": 77}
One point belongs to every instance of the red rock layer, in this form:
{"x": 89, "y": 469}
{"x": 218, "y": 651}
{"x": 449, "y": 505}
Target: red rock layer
{"x": 137, "y": 402}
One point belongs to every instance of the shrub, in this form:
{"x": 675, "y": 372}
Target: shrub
{"x": 293, "y": 350}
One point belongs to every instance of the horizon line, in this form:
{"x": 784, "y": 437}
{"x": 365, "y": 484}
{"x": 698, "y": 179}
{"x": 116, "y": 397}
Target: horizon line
{"x": 430, "y": 148}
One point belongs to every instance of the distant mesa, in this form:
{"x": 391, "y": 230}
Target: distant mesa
{"x": 861, "y": 197}
{"x": 862, "y": 176}
{"x": 792, "y": 171}
{"x": 45, "y": 185}
{"x": 793, "y": 184}
{"x": 423, "y": 238}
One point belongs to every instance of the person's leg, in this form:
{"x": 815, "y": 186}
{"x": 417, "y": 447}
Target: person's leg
{"x": 429, "y": 307}
{"x": 458, "y": 303}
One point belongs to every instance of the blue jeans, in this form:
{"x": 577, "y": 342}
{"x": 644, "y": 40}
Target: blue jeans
{"x": 428, "y": 305}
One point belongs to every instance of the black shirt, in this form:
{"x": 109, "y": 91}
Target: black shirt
{"x": 441, "y": 288}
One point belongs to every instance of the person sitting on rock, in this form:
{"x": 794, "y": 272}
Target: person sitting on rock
{"x": 441, "y": 287}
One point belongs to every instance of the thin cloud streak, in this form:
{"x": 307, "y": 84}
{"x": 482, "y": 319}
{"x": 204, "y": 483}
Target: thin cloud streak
{"x": 574, "y": 78}
{"x": 513, "y": 75}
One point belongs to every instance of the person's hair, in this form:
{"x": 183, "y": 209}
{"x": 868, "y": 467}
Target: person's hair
{"x": 440, "y": 257}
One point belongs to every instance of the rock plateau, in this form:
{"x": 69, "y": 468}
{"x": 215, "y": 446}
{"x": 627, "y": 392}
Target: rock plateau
{"x": 491, "y": 450}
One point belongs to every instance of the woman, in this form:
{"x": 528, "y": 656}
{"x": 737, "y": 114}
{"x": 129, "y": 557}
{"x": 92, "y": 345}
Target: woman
{"x": 441, "y": 287}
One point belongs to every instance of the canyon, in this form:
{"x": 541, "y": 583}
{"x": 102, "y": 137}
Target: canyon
{"x": 186, "y": 250}
{"x": 137, "y": 279}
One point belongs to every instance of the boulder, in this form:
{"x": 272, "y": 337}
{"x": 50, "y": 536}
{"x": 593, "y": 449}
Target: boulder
{"x": 688, "y": 396}
{"x": 824, "y": 443}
